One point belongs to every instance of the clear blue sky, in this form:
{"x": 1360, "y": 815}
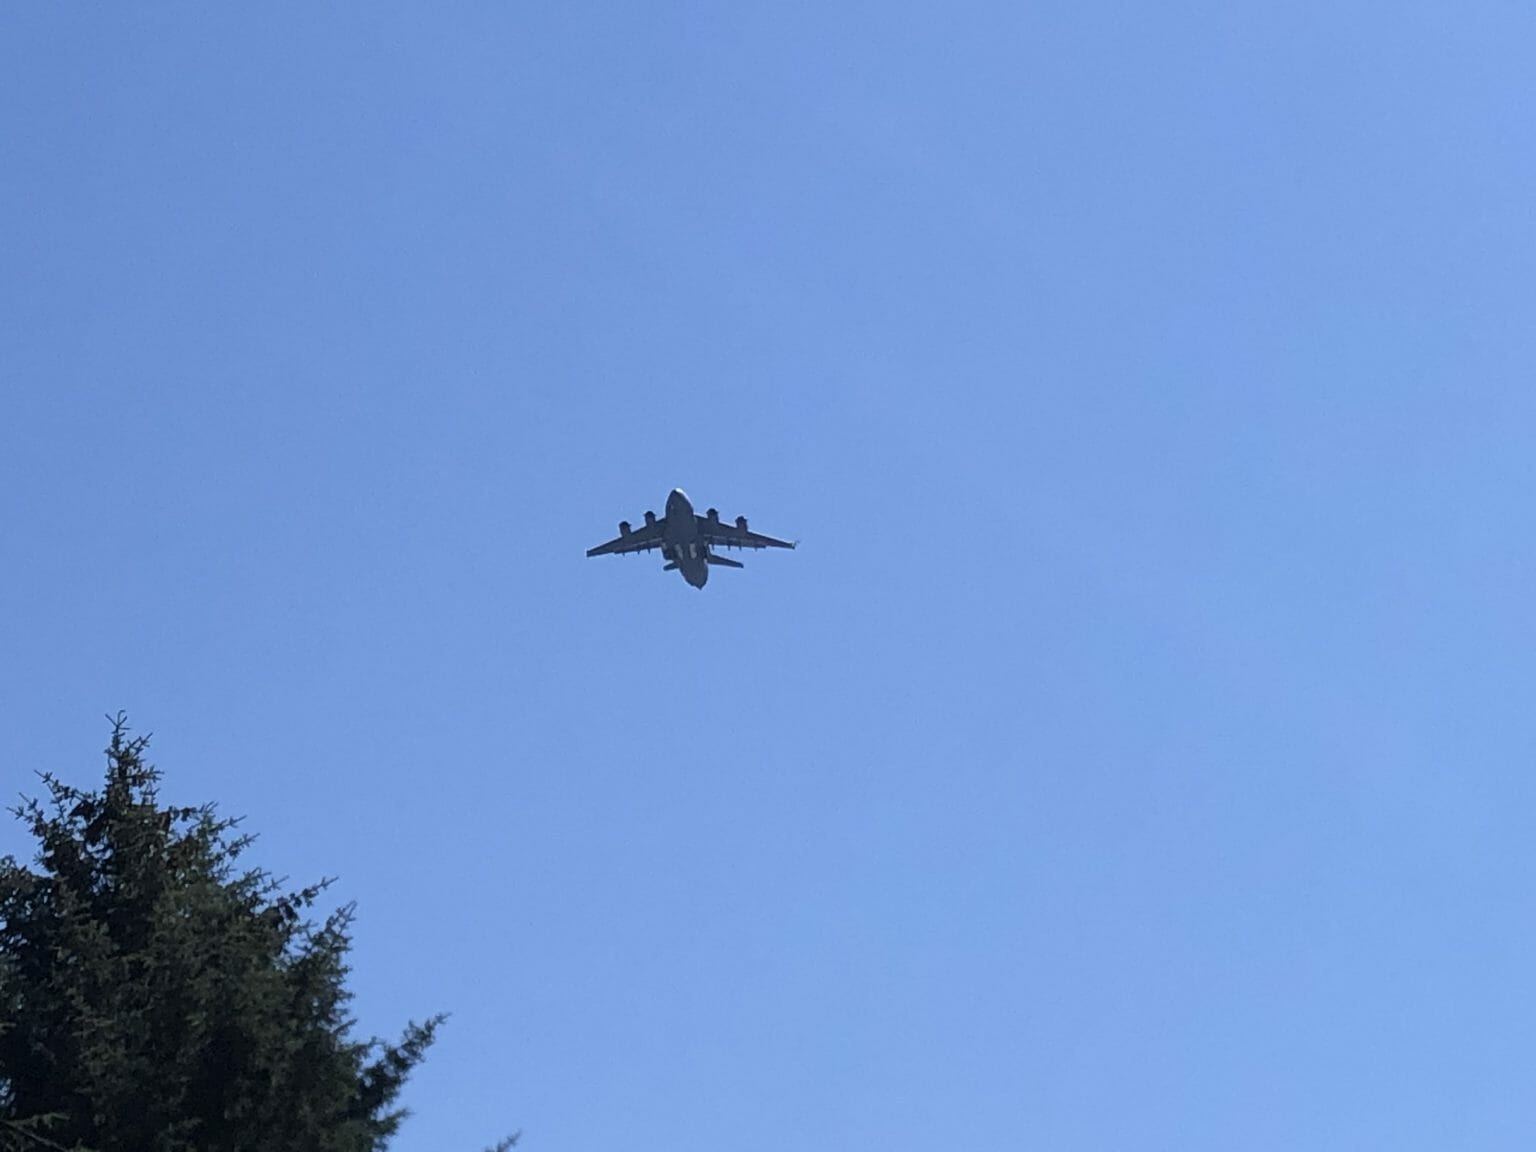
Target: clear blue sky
{"x": 1137, "y": 753}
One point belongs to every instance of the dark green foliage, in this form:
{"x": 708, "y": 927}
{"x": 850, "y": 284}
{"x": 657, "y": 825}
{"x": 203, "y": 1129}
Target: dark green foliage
{"x": 156, "y": 998}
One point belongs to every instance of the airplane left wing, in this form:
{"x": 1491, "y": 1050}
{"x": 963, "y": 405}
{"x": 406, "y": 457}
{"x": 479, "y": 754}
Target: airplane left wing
{"x": 641, "y": 539}
{"x": 725, "y": 535}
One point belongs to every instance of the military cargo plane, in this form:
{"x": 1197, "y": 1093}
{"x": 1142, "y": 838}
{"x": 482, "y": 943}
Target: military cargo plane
{"x": 687, "y": 539}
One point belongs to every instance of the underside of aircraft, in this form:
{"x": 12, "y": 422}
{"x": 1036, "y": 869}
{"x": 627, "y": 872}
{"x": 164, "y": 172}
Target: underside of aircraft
{"x": 687, "y": 540}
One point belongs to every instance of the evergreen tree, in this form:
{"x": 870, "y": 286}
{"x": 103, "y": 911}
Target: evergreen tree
{"x": 156, "y": 997}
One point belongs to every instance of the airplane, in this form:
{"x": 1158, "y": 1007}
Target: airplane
{"x": 686, "y": 539}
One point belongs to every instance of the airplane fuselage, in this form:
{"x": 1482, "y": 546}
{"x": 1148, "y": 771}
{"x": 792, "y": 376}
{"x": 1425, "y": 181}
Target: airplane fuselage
{"x": 681, "y": 544}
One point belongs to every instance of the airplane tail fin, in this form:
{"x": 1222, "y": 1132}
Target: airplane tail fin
{"x": 723, "y": 562}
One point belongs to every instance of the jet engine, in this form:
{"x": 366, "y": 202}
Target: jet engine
{"x": 714, "y": 515}
{"x": 741, "y": 522}
{"x": 650, "y": 519}
{"x": 623, "y": 527}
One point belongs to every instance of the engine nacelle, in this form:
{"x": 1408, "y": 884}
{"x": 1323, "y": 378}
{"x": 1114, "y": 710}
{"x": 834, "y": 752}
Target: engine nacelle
{"x": 623, "y": 527}
{"x": 650, "y": 519}
{"x": 714, "y": 515}
{"x": 741, "y": 522}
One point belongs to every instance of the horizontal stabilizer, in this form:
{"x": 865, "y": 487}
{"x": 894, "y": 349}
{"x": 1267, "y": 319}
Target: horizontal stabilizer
{"x": 723, "y": 562}
{"x": 672, "y": 567}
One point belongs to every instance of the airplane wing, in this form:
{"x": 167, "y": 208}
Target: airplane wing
{"x": 726, "y": 535}
{"x": 641, "y": 539}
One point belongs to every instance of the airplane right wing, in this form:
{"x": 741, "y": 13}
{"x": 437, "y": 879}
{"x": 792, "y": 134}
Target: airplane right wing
{"x": 641, "y": 539}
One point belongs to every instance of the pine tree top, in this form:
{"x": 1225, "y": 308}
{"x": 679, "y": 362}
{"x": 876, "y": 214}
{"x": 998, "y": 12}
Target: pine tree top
{"x": 158, "y": 996}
